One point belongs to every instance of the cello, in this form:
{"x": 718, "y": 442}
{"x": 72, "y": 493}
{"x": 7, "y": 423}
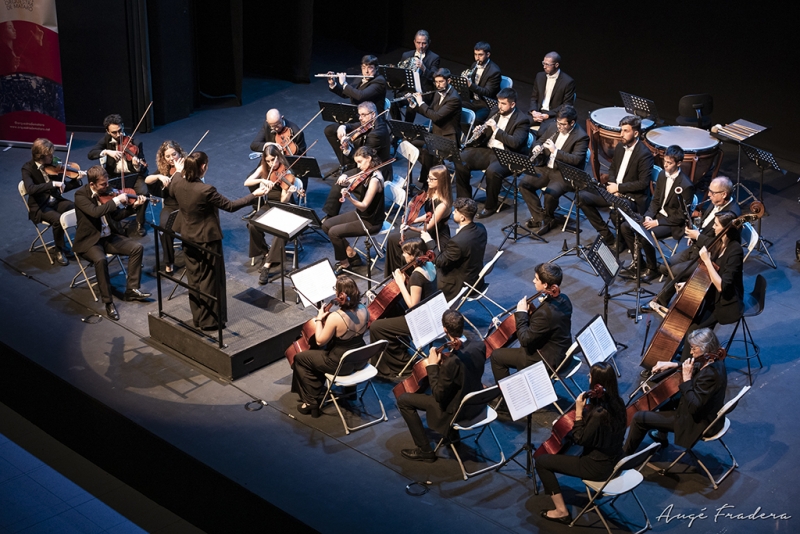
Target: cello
{"x": 505, "y": 331}
{"x": 308, "y": 331}
{"x": 684, "y": 308}
{"x": 418, "y": 380}
{"x": 563, "y": 426}
{"x": 387, "y": 297}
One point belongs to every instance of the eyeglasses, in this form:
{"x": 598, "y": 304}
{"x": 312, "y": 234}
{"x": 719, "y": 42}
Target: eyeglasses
{"x": 710, "y": 192}
{"x": 546, "y": 64}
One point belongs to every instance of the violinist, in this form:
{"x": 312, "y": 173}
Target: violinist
{"x": 274, "y": 130}
{"x": 166, "y": 156}
{"x": 272, "y": 175}
{"x": 437, "y": 205}
{"x": 451, "y": 378}
{"x": 367, "y": 197}
{"x": 339, "y": 331}
{"x": 97, "y": 209}
{"x": 371, "y": 131}
{"x": 414, "y": 288}
{"x": 599, "y": 428}
{"x": 544, "y": 335}
{"x": 129, "y": 164}
{"x": 702, "y": 394}
{"x": 45, "y": 200}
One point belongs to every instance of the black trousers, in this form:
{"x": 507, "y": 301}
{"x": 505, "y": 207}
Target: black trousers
{"x": 590, "y": 201}
{"x": 480, "y": 108}
{"x": 503, "y": 360}
{"x": 206, "y": 273}
{"x": 308, "y": 377}
{"x": 167, "y": 241}
{"x": 660, "y": 231}
{"x": 115, "y": 244}
{"x": 474, "y": 159}
{"x": 332, "y": 205}
{"x": 346, "y": 225}
{"x": 582, "y": 467}
{"x": 663, "y": 420}
{"x": 409, "y": 404}
{"x": 529, "y": 188}
{"x": 52, "y": 215}
{"x": 135, "y": 182}
{"x": 396, "y": 355}
{"x": 552, "y": 194}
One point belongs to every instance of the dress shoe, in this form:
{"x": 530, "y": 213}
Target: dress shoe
{"x": 610, "y": 240}
{"x": 263, "y": 276}
{"x": 418, "y": 455}
{"x": 530, "y": 223}
{"x": 657, "y": 308}
{"x": 355, "y": 261}
{"x": 565, "y": 520}
{"x": 69, "y": 254}
{"x": 249, "y": 216}
{"x": 658, "y": 437}
{"x": 61, "y": 259}
{"x": 141, "y": 231}
{"x": 649, "y": 275}
{"x": 628, "y": 273}
{"x": 111, "y": 311}
{"x": 308, "y": 409}
{"x": 484, "y": 213}
{"x": 544, "y": 227}
{"x": 135, "y": 294}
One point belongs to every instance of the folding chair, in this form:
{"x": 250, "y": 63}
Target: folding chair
{"x": 705, "y": 436}
{"x": 753, "y": 305}
{"x": 749, "y": 239}
{"x": 69, "y": 220}
{"x": 467, "y": 123}
{"x": 624, "y": 479}
{"x": 505, "y": 81}
{"x": 571, "y": 363}
{"x": 398, "y": 183}
{"x": 474, "y": 294}
{"x": 360, "y": 356}
{"x": 379, "y": 246}
{"x": 39, "y": 231}
{"x": 481, "y": 421}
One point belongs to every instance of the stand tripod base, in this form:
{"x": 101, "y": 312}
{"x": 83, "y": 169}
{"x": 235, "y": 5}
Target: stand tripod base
{"x": 517, "y": 231}
{"x": 580, "y": 252}
{"x": 762, "y": 248}
{"x": 528, "y": 450}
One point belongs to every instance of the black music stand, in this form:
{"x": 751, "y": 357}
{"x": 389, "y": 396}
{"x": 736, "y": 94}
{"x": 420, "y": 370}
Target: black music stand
{"x": 640, "y": 106}
{"x": 339, "y": 113}
{"x": 308, "y": 213}
{"x": 399, "y": 80}
{"x": 280, "y": 222}
{"x": 737, "y": 132}
{"x": 605, "y": 265}
{"x": 638, "y": 233}
{"x": 304, "y": 168}
{"x": 459, "y": 83}
{"x": 763, "y": 160}
{"x": 517, "y": 164}
{"x": 441, "y": 147}
{"x": 579, "y": 180}
{"x": 407, "y": 131}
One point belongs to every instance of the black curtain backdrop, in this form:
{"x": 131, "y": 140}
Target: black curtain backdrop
{"x": 278, "y": 39}
{"x": 172, "y": 62}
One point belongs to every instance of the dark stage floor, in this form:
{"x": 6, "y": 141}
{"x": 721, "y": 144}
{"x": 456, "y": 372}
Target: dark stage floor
{"x": 310, "y": 469}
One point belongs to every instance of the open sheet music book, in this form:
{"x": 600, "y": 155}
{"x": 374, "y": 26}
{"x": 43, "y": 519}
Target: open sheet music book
{"x": 528, "y": 390}
{"x": 425, "y": 319}
{"x": 596, "y": 342}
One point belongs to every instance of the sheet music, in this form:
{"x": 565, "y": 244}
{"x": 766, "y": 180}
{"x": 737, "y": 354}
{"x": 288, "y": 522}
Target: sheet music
{"x": 282, "y": 220}
{"x": 417, "y": 84}
{"x": 315, "y": 283}
{"x": 637, "y": 227}
{"x": 608, "y": 258}
{"x": 528, "y": 390}
{"x": 596, "y": 342}
{"x": 425, "y": 319}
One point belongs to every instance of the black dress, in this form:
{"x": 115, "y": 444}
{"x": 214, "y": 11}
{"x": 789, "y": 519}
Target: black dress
{"x": 394, "y": 251}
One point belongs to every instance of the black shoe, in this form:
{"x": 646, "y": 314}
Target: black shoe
{"x": 566, "y": 520}
{"x": 141, "y": 231}
{"x": 544, "y": 227}
{"x": 659, "y": 438}
{"x": 250, "y": 215}
{"x": 418, "y": 455}
{"x": 484, "y": 213}
{"x": 530, "y": 223}
{"x": 263, "y": 276}
{"x": 111, "y": 311}
{"x": 135, "y": 294}
{"x": 61, "y": 259}
{"x": 649, "y": 275}
{"x": 308, "y": 409}
{"x": 452, "y": 437}
{"x": 68, "y": 254}
{"x": 355, "y": 261}
{"x": 629, "y": 273}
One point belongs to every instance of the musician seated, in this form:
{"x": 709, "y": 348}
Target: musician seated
{"x": 483, "y": 80}
{"x": 167, "y": 154}
{"x": 45, "y": 200}
{"x": 563, "y": 140}
{"x": 552, "y": 89}
{"x": 546, "y": 333}
{"x": 414, "y": 288}
{"x": 629, "y": 177}
{"x": 276, "y": 126}
{"x": 451, "y": 379}
{"x": 337, "y": 331}
{"x": 507, "y": 130}
{"x": 367, "y": 197}
{"x": 719, "y": 194}
{"x": 124, "y": 167}
{"x": 437, "y": 207}
{"x": 425, "y": 63}
{"x": 272, "y": 175}
{"x": 599, "y": 428}
{"x": 702, "y": 394}
{"x": 665, "y": 216}
{"x": 371, "y": 131}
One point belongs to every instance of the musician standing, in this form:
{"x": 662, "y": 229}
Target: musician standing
{"x": 167, "y": 155}
{"x": 483, "y": 81}
{"x": 545, "y": 334}
{"x": 109, "y": 150}
{"x": 562, "y": 140}
{"x": 664, "y": 217}
{"x": 552, "y": 89}
{"x": 426, "y": 63}
{"x": 275, "y": 124}
{"x": 629, "y": 176}
{"x": 507, "y": 130}
{"x": 451, "y": 379}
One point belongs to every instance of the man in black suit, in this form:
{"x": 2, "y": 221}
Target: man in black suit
{"x": 664, "y": 217}
{"x": 378, "y": 137}
{"x": 109, "y": 151}
{"x": 444, "y": 111}
{"x": 275, "y": 124}
{"x": 507, "y": 130}
{"x": 552, "y": 89}
{"x": 462, "y": 258}
{"x": 484, "y": 82}
{"x": 45, "y": 202}
{"x": 451, "y": 380}
{"x": 563, "y": 140}
{"x": 426, "y": 63}
{"x": 371, "y": 88}
{"x": 546, "y": 334}
{"x": 629, "y": 176}
{"x": 97, "y": 234}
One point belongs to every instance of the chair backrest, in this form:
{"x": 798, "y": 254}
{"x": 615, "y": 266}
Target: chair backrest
{"x": 749, "y": 238}
{"x": 698, "y": 106}
{"x": 68, "y": 219}
{"x": 505, "y": 81}
{"x": 530, "y": 142}
{"x": 635, "y": 460}
{"x": 759, "y": 293}
{"x": 727, "y": 408}
{"x": 489, "y": 266}
{"x": 24, "y": 194}
{"x": 361, "y": 356}
{"x": 481, "y": 397}
{"x": 387, "y": 103}
{"x": 654, "y": 178}
{"x": 468, "y": 120}
{"x": 408, "y": 151}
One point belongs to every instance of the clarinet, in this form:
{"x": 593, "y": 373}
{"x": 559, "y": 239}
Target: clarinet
{"x": 476, "y": 133}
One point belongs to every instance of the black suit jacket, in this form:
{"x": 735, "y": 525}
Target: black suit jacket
{"x": 89, "y": 213}
{"x": 431, "y": 62}
{"x": 40, "y": 188}
{"x": 446, "y": 117}
{"x": 572, "y": 153}
{"x": 515, "y": 135}
{"x": 548, "y": 331}
{"x": 701, "y": 398}
{"x": 108, "y": 143}
{"x": 461, "y": 260}
{"x": 379, "y": 138}
{"x": 265, "y": 135}
{"x": 636, "y": 182}
{"x": 676, "y": 217}
{"x": 563, "y": 93}
{"x": 374, "y": 90}
{"x": 489, "y": 82}
{"x": 200, "y": 204}
{"x": 453, "y": 379}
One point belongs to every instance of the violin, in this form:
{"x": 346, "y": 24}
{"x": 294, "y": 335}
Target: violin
{"x": 418, "y": 380}
{"x": 286, "y": 140}
{"x": 281, "y": 175}
{"x": 347, "y": 140}
{"x": 130, "y": 150}
{"x": 131, "y": 194}
{"x": 56, "y": 168}
{"x": 388, "y": 297}
{"x": 564, "y": 425}
{"x": 308, "y": 332}
{"x": 358, "y": 179}
{"x": 505, "y": 331}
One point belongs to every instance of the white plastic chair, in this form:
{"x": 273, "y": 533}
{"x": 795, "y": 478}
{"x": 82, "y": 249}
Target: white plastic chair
{"x": 39, "y": 231}
{"x": 398, "y": 183}
{"x": 474, "y": 294}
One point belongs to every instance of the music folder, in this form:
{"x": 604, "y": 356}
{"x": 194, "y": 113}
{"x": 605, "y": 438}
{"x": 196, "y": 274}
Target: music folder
{"x": 528, "y": 390}
{"x": 596, "y": 342}
{"x": 425, "y": 319}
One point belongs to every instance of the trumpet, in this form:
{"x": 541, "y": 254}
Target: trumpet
{"x": 336, "y": 74}
{"x": 410, "y": 98}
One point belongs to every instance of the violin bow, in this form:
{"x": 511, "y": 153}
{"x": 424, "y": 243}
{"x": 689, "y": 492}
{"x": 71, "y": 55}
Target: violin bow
{"x": 66, "y": 162}
{"x": 198, "y": 143}
{"x": 303, "y": 128}
{"x": 130, "y": 138}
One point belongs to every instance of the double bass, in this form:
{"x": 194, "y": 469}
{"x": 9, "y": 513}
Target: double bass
{"x": 418, "y": 380}
{"x": 563, "y": 426}
{"x": 505, "y": 331}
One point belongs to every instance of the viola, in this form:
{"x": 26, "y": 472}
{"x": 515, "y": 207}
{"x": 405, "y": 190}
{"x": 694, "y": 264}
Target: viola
{"x": 56, "y": 168}
{"x": 387, "y": 297}
{"x": 418, "y": 380}
{"x": 505, "y": 331}
{"x": 358, "y": 179}
{"x": 307, "y": 339}
{"x": 286, "y": 140}
{"x": 563, "y": 426}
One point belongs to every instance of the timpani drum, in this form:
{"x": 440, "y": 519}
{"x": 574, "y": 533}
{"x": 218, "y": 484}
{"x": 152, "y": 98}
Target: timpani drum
{"x": 702, "y": 151}
{"x": 605, "y": 133}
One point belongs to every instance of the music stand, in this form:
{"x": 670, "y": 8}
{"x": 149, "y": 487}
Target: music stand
{"x": 579, "y": 180}
{"x": 338, "y": 112}
{"x": 737, "y": 132}
{"x": 400, "y": 80}
{"x": 517, "y": 164}
{"x": 763, "y": 160}
{"x": 460, "y": 85}
{"x": 280, "y": 222}
{"x": 605, "y": 264}
{"x": 441, "y": 147}
{"x": 308, "y": 213}
{"x": 638, "y": 233}
{"x": 407, "y": 131}
{"x": 640, "y": 106}
{"x": 304, "y": 168}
